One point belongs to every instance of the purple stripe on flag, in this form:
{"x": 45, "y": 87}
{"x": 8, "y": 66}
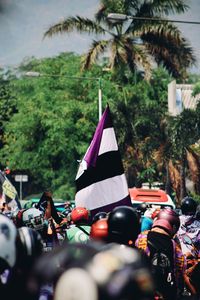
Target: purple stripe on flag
{"x": 93, "y": 150}
{"x": 108, "y": 208}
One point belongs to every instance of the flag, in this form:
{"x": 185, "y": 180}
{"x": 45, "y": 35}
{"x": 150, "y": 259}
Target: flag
{"x": 100, "y": 181}
{"x": 9, "y": 192}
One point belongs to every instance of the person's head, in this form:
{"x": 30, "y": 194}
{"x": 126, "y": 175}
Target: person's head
{"x": 99, "y": 230}
{"x": 8, "y": 233}
{"x": 98, "y": 216}
{"x": 168, "y": 220}
{"x": 115, "y": 272}
{"x": 188, "y": 206}
{"x": 33, "y": 218}
{"x": 123, "y": 225}
{"x": 79, "y": 215}
{"x": 141, "y": 208}
{"x": 29, "y": 246}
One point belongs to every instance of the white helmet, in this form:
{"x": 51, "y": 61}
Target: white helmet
{"x": 8, "y": 233}
{"x": 34, "y": 218}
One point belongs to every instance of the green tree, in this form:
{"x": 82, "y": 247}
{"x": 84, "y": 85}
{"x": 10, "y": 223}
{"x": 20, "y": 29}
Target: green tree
{"x": 53, "y": 124}
{"x": 184, "y": 132}
{"x": 137, "y": 45}
{"x": 7, "y": 103}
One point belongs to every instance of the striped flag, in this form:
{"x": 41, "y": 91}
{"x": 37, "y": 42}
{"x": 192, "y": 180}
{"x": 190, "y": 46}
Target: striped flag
{"x": 100, "y": 182}
{"x": 9, "y": 192}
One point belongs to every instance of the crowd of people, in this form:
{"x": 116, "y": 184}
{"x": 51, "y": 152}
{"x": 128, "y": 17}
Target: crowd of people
{"x": 126, "y": 254}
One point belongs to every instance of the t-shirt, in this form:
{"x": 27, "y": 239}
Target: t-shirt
{"x": 78, "y": 234}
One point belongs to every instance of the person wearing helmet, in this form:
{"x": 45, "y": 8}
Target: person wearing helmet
{"x": 188, "y": 206}
{"x": 189, "y": 238}
{"x": 115, "y": 272}
{"x": 79, "y": 230}
{"x": 8, "y": 234}
{"x": 34, "y": 218}
{"x": 50, "y": 266}
{"x": 8, "y": 254}
{"x": 29, "y": 248}
{"x": 123, "y": 225}
{"x": 166, "y": 257}
{"x": 148, "y": 217}
{"x": 98, "y": 216}
{"x": 189, "y": 231}
{"x": 99, "y": 230}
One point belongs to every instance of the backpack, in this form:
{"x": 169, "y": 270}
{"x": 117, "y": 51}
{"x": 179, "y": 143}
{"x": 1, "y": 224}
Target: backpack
{"x": 162, "y": 271}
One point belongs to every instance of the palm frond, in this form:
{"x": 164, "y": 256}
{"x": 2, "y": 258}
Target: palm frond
{"x": 75, "y": 23}
{"x": 116, "y": 59}
{"x": 162, "y": 7}
{"x": 143, "y": 60}
{"x": 165, "y": 43}
{"x": 101, "y": 14}
{"x": 98, "y": 47}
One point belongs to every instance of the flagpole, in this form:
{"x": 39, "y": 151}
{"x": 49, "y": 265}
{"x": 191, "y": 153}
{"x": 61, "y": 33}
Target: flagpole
{"x": 100, "y": 100}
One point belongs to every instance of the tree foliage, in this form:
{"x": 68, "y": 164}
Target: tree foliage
{"x": 48, "y": 122}
{"x": 53, "y": 123}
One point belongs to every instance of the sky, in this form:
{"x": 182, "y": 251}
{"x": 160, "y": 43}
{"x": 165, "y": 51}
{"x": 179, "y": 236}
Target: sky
{"x": 23, "y": 23}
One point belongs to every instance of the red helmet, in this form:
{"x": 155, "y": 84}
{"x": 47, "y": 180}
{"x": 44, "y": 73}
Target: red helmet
{"x": 79, "y": 214}
{"x": 99, "y": 230}
{"x": 171, "y": 216}
{"x": 163, "y": 224}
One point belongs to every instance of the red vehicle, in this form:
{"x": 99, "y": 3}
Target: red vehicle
{"x": 150, "y": 196}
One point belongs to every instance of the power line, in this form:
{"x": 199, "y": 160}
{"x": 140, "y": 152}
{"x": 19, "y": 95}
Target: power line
{"x": 122, "y": 17}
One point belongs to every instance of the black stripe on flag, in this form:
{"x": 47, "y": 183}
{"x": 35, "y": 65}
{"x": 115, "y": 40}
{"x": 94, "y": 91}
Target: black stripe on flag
{"x": 107, "y": 166}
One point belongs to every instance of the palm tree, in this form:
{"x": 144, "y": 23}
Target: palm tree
{"x": 137, "y": 45}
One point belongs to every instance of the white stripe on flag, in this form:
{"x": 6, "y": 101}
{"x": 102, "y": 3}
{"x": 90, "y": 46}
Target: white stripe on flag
{"x": 103, "y": 193}
{"x": 108, "y": 141}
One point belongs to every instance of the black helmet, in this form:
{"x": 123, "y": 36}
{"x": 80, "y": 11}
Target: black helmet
{"x": 142, "y": 207}
{"x": 29, "y": 246}
{"x": 98, "y": 216}
{"x": 198, "y": 212}
{"x": 90, "y": 283}
{"x": 123, "y": 225}
{"x": 188, "y": 206}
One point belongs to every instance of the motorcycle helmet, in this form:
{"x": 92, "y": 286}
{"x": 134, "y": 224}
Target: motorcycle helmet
{"x": 29, "y": 246}
{"x": 79, "y": 215}
{"x": 171, "y": 217}
{"x": 76, "y": 283}
{"x": 99, "y": 230}
{"x": 141, "y": 208}
{"x": 123, "y": 225}
{"x": 8, "y": 233}
{"x": 98, "y": 216}
{"x": 33, "y": 218}
{"x": 163, "y": 224}
{"x": 188, "y": 206}
{"x": 115, "y": 272}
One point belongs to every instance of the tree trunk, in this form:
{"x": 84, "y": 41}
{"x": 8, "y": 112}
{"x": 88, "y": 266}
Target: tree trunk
{"x": 183, "y": 192}
{"x": 175, "y": 180}
{"x": 168, "y": 186}
{"x": 194, "y": 168}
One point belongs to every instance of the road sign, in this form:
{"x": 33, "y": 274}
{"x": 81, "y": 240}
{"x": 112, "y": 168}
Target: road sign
{"x": 21, "y": 178}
